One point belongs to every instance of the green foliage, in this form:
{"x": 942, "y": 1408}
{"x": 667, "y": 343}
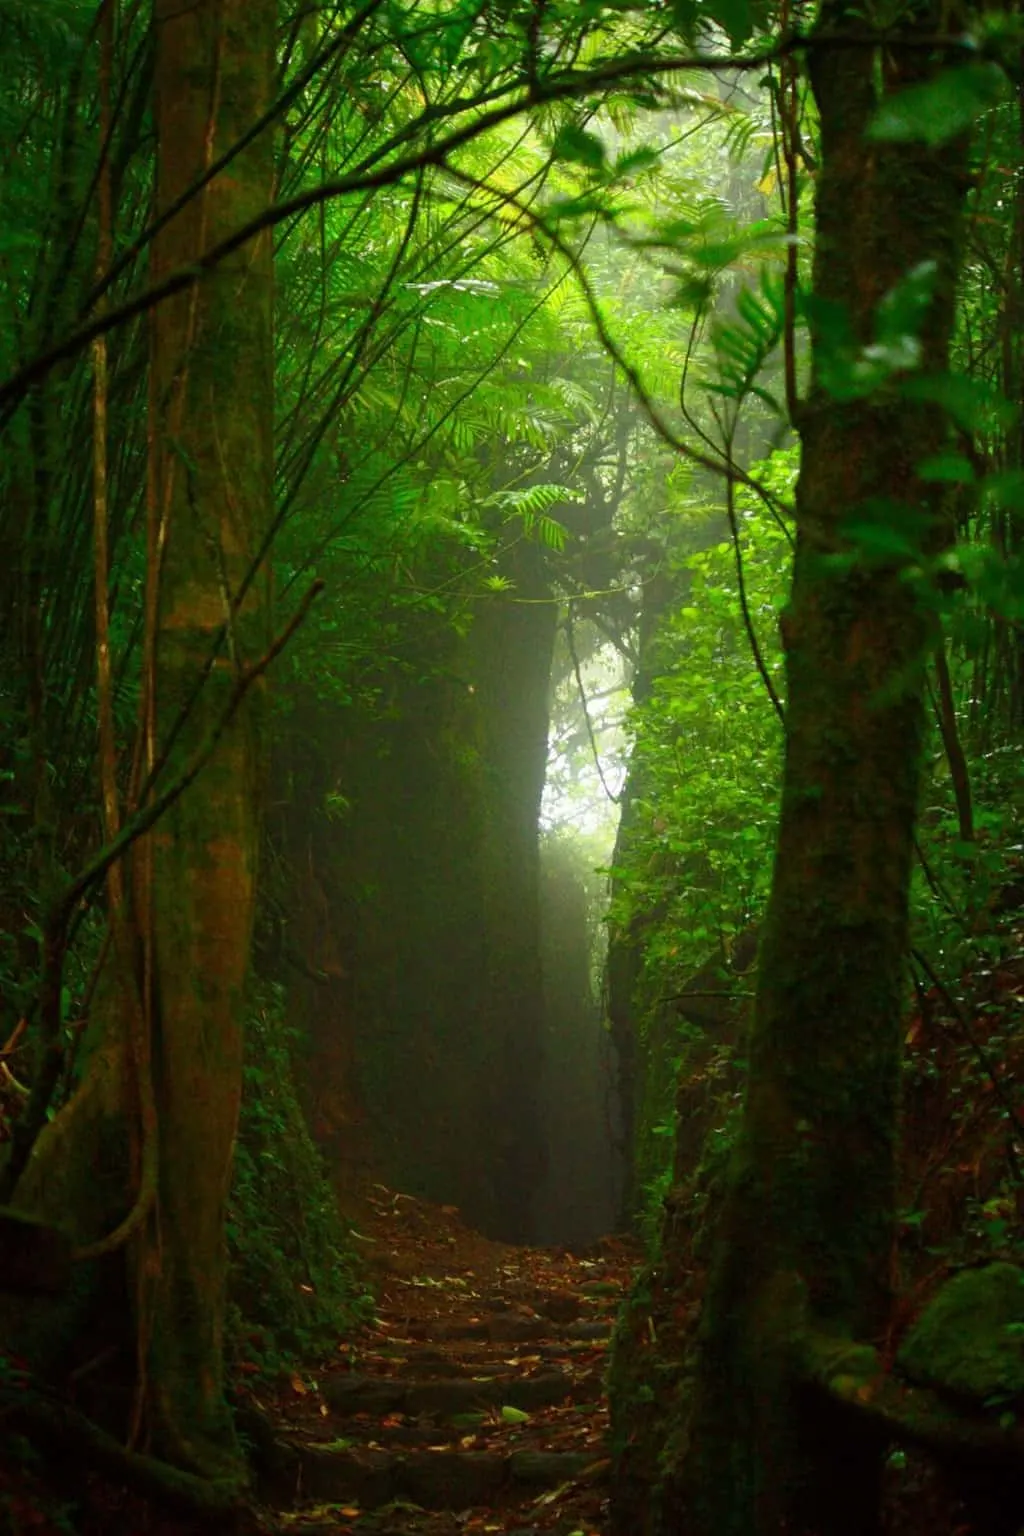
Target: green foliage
{"x": 295, "y": 1285}
{"x": 531, "y": 505}
{"x": 576, "y": 144}
{"x": 650, "y": 1222}
{"x": 695, "y": 868}
{"x": 969, "y": 1341}
{"x": 706, "y": 745}
{"x": 442, "y": 401}
{"x": 849, "y": 371}
{"x": 745, "y": 342}
{"x": 943, "y": 107}
{"x": 956, "y": 883}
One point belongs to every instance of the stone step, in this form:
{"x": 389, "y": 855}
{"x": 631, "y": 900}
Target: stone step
{"x": 484, "y": 1361}
{"x": 508, "y": 1328}
{"x": 436, "y": 1480}
{"x": 596, "y": 1328}
{"x": 444, "y": 1396}
{"x": 560, "y": 1307}
{"x": 420, "y": 1364}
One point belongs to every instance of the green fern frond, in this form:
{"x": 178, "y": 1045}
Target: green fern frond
{"x": 551, "y": 533}
{"x": 532, "y": 501}
{"x": 744, "y": 343}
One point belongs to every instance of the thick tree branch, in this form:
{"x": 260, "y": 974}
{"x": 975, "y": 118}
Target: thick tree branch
{"x": 851, "y": 1377}
{"x": 75, "y": 1440}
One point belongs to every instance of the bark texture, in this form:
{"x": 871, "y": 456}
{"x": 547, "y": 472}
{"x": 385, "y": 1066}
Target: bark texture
{"x": 812, "y": 1187}
{"x": 808, "y": 1208}
{"x": 212, "y": 442}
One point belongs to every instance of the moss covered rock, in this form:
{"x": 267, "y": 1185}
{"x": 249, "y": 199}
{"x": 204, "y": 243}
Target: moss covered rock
{"x": 969, "y": 1341}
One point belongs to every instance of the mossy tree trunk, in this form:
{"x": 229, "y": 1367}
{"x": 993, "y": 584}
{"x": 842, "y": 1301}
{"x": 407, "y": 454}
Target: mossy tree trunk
{"x": 193, "y": 878}
{"x": 512, "y": 643}
{"x": 212, "y": 446}
{"x": 811, "y": 1190}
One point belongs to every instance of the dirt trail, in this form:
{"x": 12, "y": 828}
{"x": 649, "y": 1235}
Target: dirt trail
{"x": 474, "y": 1402}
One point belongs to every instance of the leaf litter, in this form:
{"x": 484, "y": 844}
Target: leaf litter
{"x": 428, "y": 1423}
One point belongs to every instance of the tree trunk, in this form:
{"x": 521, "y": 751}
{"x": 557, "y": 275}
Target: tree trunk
{"x": 512, "y": 643}
{"x": 433, "y": 904}
{"x": 212, "y": 482}
{"x": 193, "y": 879}
{"x": 624, "y": 967}
{"x": 811, "y": 1189}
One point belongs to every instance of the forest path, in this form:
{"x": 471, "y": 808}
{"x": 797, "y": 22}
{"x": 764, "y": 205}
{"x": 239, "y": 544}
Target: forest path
{"x": 474, "y": 1402}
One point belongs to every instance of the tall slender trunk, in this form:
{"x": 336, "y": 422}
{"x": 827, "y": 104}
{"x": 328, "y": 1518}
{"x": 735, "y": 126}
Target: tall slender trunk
{"x": 811, "y": 1190}
{"x": 211, "y": 435}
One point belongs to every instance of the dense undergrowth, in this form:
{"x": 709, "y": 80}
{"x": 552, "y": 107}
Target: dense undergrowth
{"x": 961, "y": 1188}
{"x": 704, "y": 882}
{"x": 296, "y": 1286}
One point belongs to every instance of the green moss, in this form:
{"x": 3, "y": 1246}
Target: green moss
{"x": 644, "y": 1383}
{"x": 294, "y": 1283}
{"x": 970, "y": 1340}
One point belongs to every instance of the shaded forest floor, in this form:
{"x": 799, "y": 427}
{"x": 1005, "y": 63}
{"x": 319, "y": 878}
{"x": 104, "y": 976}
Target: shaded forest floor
{"x": 473, "y": 1402}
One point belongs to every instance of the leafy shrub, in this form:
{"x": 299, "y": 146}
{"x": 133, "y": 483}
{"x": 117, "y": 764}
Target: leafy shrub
{"x": 695, "y": 870}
